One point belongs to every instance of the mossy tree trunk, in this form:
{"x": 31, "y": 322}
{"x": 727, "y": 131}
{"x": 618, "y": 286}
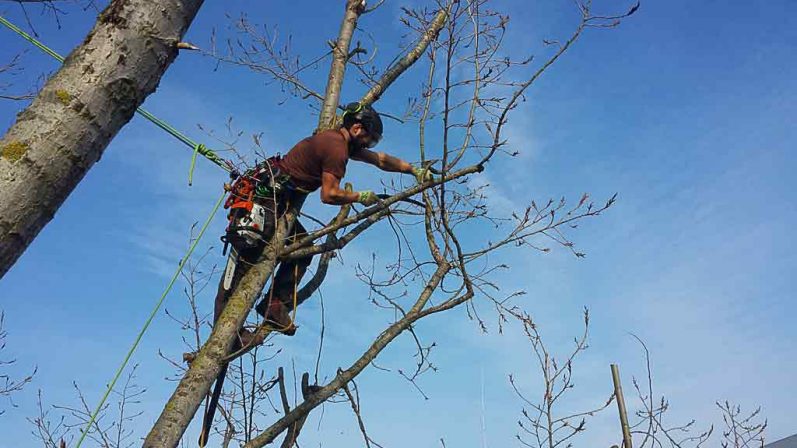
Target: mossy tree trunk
{"x": 67, "y": 127}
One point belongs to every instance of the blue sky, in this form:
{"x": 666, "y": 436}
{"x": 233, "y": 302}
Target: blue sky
{"x": 686, "y": 110}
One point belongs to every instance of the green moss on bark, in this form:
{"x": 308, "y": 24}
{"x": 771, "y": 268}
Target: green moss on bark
{"x": 14, "y": 151}
{"x": 63, "y": 96}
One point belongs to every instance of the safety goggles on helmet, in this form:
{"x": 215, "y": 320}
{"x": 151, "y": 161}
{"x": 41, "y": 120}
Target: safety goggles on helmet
{"x": 373, "y": 137}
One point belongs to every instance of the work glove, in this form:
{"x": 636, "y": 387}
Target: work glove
{"x": 368, "y": 198}
{"x": 422, "y": 174}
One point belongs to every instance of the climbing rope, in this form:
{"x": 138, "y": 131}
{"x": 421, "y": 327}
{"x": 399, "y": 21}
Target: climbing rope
{"x": 152, "y": 315}
{"x": 198, "y": 148}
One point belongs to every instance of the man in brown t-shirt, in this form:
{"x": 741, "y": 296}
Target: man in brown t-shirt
{"x": 317, "y": 162}
{"x": 320, "y": 160}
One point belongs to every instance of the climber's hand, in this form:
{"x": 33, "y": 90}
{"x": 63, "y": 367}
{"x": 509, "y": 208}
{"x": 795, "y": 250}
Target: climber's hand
{"x": 422, "y": 175}
{"x": 368, "y": 198}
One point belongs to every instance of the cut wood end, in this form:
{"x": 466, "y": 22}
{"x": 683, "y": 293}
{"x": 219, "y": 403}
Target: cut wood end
{"x": 186, "y": 46}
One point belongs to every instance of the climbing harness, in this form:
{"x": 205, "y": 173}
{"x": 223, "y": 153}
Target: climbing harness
{"x": 253, "y": 204}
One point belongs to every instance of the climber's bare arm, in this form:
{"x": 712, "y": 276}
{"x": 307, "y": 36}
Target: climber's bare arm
{"x": 332, "y": 194}
{"x": 384, "y": 162}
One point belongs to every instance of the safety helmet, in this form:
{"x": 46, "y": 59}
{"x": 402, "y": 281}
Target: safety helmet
{"x": 365, "y": 115}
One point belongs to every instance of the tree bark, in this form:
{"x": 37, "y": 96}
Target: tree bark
{"x": 340, "y": 57}
{"x": 196, "y": 382}
{"x": 65, "y": 130}
{"x": 408, "y": 59}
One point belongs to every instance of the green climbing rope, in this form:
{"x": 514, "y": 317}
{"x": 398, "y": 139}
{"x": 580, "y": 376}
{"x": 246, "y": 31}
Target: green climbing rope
{"x": 30, "y": 39}
{"x": 198, "y": 148}
{"x": 148, "y": 322}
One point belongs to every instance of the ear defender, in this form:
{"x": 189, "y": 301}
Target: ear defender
{"x": 352, "y": 108}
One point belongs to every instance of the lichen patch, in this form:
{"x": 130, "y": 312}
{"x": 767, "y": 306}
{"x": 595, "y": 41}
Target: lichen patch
{"x": 63, "y": 96}
{"x": 14, "y": 151}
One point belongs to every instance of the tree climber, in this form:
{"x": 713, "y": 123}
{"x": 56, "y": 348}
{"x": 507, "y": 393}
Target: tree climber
{"x": 259, "y": 196}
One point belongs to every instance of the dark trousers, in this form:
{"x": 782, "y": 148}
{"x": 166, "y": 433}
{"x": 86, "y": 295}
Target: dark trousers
{"x": 284, "y": 282}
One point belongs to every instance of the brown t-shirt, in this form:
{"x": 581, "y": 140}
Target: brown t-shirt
{"x": 325, "y": 151}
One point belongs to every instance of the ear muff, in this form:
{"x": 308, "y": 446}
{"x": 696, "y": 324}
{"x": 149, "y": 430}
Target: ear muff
{"x": 352, "y": 108}
{"x": 366, "y": 115}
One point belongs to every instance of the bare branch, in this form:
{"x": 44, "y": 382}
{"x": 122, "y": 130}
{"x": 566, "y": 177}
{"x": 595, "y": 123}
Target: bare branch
{"x": 9, "y": 386}
{"x": 340, "y": 57}
{"x": 407, "y": 60}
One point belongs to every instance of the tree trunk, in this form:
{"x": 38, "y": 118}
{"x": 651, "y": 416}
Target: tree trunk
{"x": 55, "y": 141}
{"x": 340, "y": 57}
{"x": 196, "y": 382}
